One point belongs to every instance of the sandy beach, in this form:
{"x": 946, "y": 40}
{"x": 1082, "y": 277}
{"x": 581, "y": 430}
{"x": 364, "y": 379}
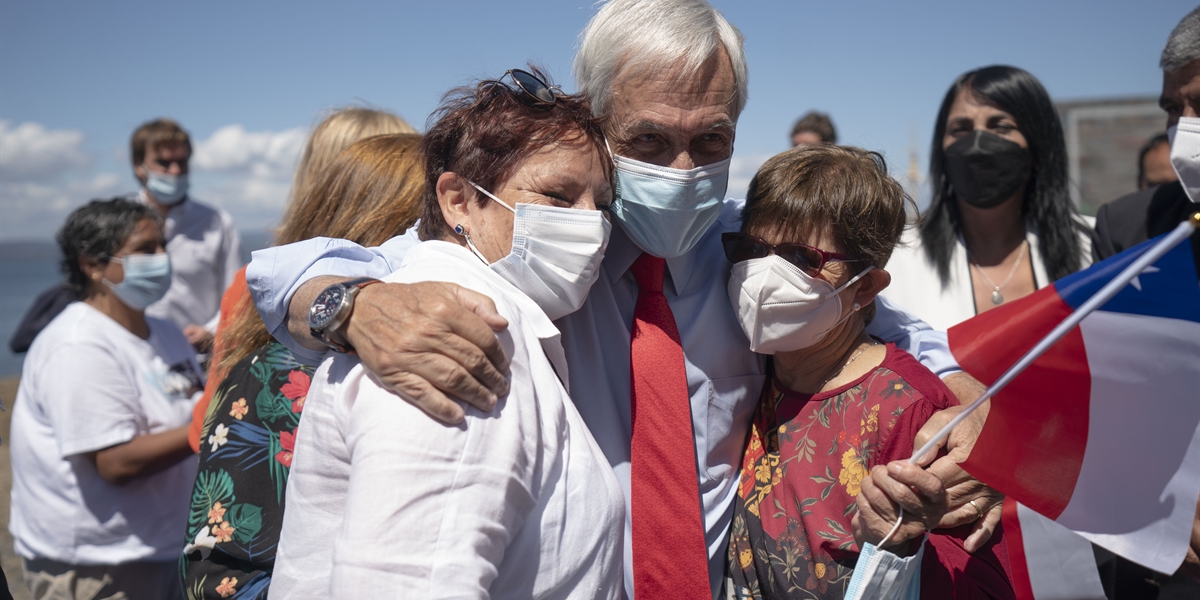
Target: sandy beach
{"x": 10, "y": 561}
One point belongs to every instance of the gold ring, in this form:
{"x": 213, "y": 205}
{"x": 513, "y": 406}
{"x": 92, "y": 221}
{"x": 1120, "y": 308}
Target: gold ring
{"x": 978, "y": 511}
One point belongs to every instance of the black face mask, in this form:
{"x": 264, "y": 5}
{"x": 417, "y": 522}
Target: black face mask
{"x": 986, "y": 169}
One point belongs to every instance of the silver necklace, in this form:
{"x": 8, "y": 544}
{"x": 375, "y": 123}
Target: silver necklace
{"x": 997, "y": 297}
{"x": 839, "y": 371}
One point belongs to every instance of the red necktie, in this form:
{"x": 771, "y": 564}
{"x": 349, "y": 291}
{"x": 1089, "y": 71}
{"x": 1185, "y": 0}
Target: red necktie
{"x": 670, "y": 558}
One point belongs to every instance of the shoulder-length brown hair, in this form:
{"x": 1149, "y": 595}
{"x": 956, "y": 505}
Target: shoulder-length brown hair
{"x": 368, "y": 194}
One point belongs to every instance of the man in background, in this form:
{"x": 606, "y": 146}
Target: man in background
{"x": 1137, "y": 217}
{"x": 202, "y": 241}
{"x": 1154, "y": 162}
{"x": 813, "y": 129}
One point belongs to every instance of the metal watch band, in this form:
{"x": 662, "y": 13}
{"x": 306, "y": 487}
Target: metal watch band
{"x": 329, "y": 335}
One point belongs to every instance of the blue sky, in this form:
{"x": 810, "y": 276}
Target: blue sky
{"x": 248, "y": 79}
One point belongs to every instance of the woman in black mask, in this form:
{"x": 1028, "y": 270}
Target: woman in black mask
{"x": 1001, "y": 223}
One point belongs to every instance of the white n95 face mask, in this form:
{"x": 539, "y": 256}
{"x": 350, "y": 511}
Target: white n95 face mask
{"x": 1185, "y": 154}
{"x": 780, "y": 307}
{"x": 665, "y": 211}
{"x": 556, "y": 254}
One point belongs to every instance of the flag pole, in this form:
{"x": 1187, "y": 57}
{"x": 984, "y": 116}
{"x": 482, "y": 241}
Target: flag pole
{"x": 1106, "y": 293}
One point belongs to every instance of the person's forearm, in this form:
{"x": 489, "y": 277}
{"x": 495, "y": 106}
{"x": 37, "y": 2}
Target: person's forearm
{"x": 297, "y": 314}
{"x": 143, "y": 455}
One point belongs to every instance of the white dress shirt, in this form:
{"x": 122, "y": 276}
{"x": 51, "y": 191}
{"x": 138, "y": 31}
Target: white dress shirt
{"x": 516, "y": 502}
{"x": 724, "y": 376}
{"x": 917, "y": 287}
{"x": 205, "y": 250}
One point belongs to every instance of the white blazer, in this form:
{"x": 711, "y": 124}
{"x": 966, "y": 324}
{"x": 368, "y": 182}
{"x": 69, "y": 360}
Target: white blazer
{"x": 916, "y": 287}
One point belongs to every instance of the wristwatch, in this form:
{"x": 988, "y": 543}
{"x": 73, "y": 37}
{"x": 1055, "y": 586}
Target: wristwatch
{"x": 330, "y": 310}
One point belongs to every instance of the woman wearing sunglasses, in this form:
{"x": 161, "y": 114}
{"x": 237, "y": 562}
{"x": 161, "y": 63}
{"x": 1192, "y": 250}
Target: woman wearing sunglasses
{"x": 816, "y": 489}
{"x": 515, "y": 502}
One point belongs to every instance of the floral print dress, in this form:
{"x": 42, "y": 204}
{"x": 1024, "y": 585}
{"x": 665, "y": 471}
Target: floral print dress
{"x": 805, "y": 460}
{"x": 245, "y": 453}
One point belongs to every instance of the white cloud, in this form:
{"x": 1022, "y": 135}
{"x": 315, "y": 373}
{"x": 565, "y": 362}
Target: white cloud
{"x": 261, "y": 154}
{"x": 33, "y": 209}
{"x": 30, "y": 152}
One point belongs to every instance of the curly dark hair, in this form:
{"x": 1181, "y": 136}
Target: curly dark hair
{"x": 96, "y": 230}
{"x": 484, "y": 132}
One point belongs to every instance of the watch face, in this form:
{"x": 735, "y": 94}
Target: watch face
{"x": 325, "y": 307}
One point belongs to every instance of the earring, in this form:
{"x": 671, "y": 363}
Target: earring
{"x": 460, "y": 230}
{"x": 856, "y": 307}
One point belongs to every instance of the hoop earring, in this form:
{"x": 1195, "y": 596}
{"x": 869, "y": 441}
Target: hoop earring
{"x": 460, "y": 230}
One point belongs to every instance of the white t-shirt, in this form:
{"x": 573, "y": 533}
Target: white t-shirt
{"x": 518, "y": 502}
{"x": 89, "y": 384}
{"x": 205, "y": 251}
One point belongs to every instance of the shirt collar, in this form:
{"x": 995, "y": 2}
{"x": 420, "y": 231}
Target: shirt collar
{"x": 687, "y": 271}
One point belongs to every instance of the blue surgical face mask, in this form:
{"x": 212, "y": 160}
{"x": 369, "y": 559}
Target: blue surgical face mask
{"x": 665, "y": 211}
{"x": 147, "y": 278}
{"x": 167, "y": 189}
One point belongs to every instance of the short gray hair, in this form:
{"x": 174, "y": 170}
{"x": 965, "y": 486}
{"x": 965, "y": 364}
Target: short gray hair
{"x": 641, "y": 35}
{"x": 1183, "y": 46}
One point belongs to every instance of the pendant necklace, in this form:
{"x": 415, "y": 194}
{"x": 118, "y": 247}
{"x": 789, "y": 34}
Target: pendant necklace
{"x": 997, "y": 297}
{"x": 839, "y": 371}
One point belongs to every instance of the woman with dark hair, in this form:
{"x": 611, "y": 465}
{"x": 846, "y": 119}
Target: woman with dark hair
{"x": 100, "y": 459}
{"x": 513, "y": 502}
{"x": 1001, "y": 223}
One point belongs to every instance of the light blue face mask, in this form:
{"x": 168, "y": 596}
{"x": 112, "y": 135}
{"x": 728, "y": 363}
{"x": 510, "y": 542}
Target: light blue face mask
{"x": 665, "y": 211}
{"x": 147, "y": 278}
{"x": 167, "y": 189}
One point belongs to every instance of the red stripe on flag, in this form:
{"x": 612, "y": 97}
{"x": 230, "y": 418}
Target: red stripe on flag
{"x": 1016, "y": 550}
{"x": 1036, "y": 433}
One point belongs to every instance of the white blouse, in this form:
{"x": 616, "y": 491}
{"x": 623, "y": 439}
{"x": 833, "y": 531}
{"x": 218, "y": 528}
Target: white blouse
{"x": 916, "y": 286}
{"x": 517, "y": 502}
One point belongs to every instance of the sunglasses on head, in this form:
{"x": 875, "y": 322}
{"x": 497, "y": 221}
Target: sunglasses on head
{"x": 533, "y": 86}
{"x": 741, "y": 247}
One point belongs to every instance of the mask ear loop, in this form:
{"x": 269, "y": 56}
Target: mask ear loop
{"x": 489, "y": 195}
{"x": 461, "y": 231}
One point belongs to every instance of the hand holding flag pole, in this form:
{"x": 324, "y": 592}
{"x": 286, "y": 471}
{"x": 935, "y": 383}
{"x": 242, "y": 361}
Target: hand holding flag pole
{"x": 1139, "y": 266}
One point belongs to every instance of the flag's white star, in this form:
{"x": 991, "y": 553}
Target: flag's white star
{"x": 1136, "y": 282}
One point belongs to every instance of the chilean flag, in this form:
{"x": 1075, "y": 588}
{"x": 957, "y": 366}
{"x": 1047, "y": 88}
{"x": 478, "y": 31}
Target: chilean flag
{"x": 1101, "y": 434}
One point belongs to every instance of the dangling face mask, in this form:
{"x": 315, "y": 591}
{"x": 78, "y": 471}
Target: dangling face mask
{"x": 986, "y": 169}
{"x": 147, "y": 278}
{"x": 781, "y": 308}
{"x": 1185, "y": 154}
{"x": 167, "y": 189}
{"x": 556, "y": 254}
{"x": 665, "y": 211}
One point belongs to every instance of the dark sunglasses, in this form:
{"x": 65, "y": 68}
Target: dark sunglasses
{"x": 533, "y": 86}
{"x": 741, "y": 247}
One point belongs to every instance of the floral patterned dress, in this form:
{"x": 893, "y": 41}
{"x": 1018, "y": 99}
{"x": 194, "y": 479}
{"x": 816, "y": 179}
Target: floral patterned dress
{"x": 245, "y": 454}
{"x": 805, "y": 459}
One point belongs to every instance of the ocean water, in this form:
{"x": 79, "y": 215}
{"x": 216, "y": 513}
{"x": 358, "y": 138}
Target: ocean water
{"x": 23, "y": 275}
{"x": 29, "y": 268}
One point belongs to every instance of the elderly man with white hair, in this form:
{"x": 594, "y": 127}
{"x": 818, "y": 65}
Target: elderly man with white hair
{"x": 669, "y": 409}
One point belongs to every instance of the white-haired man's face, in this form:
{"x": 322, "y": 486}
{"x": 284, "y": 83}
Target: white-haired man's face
{"x": 1181, "y": 93}
{"x": 660, "y": 119}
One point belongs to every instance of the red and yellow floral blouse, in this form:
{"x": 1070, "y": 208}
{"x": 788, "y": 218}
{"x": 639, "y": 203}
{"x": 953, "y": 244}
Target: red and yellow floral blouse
{"x": 805, "y": 459}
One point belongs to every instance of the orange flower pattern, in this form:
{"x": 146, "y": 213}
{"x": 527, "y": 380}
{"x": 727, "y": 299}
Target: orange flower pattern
{"x": 227, "y": 587}
{"x": 239, "y": 409}
{"x": 804, "y": 464}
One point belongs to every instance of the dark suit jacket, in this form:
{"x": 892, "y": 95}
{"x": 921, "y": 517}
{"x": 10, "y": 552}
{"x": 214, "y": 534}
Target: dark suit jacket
{"x": 1137, "y": 217}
